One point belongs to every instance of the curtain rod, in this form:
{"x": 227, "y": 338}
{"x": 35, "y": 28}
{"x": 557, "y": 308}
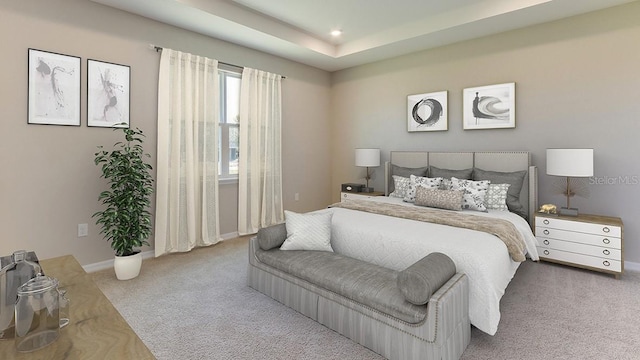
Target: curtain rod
{"x": 159, "y": 48}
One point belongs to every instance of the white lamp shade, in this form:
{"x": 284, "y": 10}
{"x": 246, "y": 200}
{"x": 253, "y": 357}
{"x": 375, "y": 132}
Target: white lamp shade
{"x": 368, "y": 157}
{"x": 570, "y": 162}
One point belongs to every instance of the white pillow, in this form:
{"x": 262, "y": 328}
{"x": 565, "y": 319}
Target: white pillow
{"x": 429, "y": 183}
{"x": 400, "y": 185}
{"x": 496, "y": 198}
{"x": 310, "y": 231}
{"x": 474, "y": 193}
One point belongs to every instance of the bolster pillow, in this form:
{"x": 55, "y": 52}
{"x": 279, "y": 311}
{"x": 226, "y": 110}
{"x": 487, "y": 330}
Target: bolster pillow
{"x": 420, "y": 280}
{"x": 272, "y": 236}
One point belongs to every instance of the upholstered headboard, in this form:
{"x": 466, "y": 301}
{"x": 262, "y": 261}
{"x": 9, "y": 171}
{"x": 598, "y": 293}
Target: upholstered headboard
{"x": 503, "y": 161}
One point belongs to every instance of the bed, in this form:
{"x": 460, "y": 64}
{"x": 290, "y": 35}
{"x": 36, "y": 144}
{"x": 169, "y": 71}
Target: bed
{"x": 396, "y": 243}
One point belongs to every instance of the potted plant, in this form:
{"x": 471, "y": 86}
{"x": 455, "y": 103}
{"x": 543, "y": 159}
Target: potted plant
{"x": 126, "y": 220}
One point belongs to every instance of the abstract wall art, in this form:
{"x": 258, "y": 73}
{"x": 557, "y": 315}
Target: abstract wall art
{"x": 427, "y": 112}
{"x": 54, "y": 89}
{"x": 108, "y": 94}
{"x": 489, "y": 107}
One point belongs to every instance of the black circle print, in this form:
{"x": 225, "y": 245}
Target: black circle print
{"x": 436, "y": 112}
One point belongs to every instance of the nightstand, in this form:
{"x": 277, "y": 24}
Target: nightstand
{"x": 360, "y": 196}
{"x": 586, "y": 241}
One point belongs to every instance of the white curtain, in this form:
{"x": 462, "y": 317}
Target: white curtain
{"x": 260, "y": 162}
{"x": 187, "y": 170}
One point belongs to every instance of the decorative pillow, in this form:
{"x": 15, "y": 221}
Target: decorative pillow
{"x": 446, "y": 184}
{"x": 474, "y": 193}
{"x": 310, "y": 231}
{"x": 272, "y": 237}
{"x": 420, "y": 280}
{"x": 496, "y": 198}
{"x": 436, "y": 198}
{"x": 432, "y": 183}
{"x": 448, "y": 174}
{"x": 515, "y": 179}
{"x": 406, "y": 173}
{"x": 401, "y": 185}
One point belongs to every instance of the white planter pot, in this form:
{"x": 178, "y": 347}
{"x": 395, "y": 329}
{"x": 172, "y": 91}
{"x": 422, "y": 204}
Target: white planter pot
{"x": 127, "y": 267}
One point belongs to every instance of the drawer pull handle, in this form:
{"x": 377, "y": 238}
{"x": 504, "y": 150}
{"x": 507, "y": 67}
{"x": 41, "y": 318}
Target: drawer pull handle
{"x": 606, "y": 229}
{"x": 606, "y": 263}
{"x": 546, "y": 252}
{"x": 546, "y": 232}
{"x": 545, "y": 221}
{"x": 606, "y": 252}
{"x": 546, "y": 242}
{"x": 606, "y": 241}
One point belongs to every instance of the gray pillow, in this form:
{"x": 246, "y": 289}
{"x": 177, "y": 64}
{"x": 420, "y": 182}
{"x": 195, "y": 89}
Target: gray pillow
{"x": 272, "y": 237}
{"x": 448, "y": 174}
{"x": 420, "y": 280}
{"x": 406, "y": 172}
{"x": 515, "y": 179}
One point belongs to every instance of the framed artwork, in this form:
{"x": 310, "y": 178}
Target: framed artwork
{"x": 54, "y": 89}
{"x": 489, "y": 107}
{"x": 427, "y": 112}
{"x": 108, "y": 94}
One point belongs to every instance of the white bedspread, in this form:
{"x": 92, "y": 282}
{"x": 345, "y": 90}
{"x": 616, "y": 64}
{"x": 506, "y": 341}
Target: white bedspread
{"x": 397, "y": 243}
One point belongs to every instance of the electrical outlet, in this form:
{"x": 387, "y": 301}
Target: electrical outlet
{"x": 83, "y": 230}
{"x": 296, "y": 196}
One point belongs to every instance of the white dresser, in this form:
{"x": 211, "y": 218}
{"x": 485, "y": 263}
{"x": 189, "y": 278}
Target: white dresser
{"x": 359, "y": 196}
{"x": 586, "y": 241}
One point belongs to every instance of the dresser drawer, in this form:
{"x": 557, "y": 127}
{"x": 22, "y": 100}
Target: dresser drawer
{"x": 580, "y": 259}
{"x": 606, "y": 253}
{"x": 583, "y": 227}
{"x": 360, "y": 196}
{"x": 350, "y": 196}
{"x": 589, "y": 239}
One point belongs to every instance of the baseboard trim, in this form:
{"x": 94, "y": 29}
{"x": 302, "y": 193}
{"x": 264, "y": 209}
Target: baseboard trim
{"x": 108, "y": 264}
{"x": 229, "y": 236}
{"x": 633, "y": 266}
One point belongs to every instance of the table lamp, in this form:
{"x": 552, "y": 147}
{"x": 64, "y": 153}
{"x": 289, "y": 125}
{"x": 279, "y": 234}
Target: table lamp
{"x": 570, "y": 163}
{"x": 368, "y": 158}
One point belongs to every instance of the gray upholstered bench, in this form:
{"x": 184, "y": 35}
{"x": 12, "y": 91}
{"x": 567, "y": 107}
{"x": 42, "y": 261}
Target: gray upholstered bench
{"x": 419, "y": 313}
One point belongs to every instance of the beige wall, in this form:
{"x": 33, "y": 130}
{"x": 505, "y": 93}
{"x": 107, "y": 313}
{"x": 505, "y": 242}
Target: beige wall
{"x": 48, "y": 181}
{"x": 577, "y": 85}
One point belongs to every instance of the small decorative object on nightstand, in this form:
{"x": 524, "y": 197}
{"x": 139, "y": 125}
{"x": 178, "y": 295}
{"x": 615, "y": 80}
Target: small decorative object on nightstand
{"x": 587, "y": 241}
{"x": 368, "y": 158}
{"x": 350, "y": 187}
{"x": 548, "y": 209}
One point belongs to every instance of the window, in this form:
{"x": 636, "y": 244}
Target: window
{"x": 229, "y": 128}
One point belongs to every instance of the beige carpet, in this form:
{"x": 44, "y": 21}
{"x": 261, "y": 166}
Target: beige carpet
{"x": 197, "y": 306}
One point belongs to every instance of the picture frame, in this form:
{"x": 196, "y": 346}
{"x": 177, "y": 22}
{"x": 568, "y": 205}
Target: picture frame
{"x": 427, "y": 112}
{"x": 54, "y": 88}
{"x": 108, "y": 94}
{"x": 489, "y": 107}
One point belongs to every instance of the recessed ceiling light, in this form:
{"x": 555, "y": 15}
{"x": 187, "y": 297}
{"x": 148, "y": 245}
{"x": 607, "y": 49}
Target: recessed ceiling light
{"x": 336, "y": 33}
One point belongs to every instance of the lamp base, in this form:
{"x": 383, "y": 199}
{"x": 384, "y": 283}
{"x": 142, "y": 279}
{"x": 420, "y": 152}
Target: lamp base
{"x": 568, "y": 211}
{"x": 367, "y": 190}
